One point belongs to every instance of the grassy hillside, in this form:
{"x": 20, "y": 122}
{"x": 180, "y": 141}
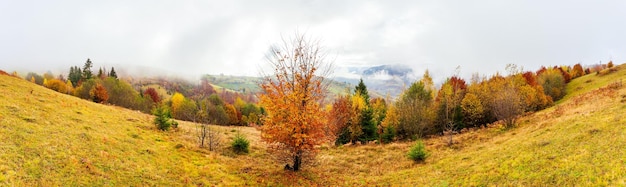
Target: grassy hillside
{"x": 241, "y": 83}
{"x": 236, "y": 83}
{"x": 51, "y": 139}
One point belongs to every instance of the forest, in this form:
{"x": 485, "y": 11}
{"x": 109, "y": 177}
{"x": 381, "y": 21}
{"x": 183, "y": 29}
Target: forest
{"x": 423, "y": 110}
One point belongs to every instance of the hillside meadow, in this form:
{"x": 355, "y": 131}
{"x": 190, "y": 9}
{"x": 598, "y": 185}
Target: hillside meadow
{"x": 52, "y": 139}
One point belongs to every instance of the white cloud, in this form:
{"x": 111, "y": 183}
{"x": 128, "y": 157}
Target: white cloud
{"x": 232, "y": 37}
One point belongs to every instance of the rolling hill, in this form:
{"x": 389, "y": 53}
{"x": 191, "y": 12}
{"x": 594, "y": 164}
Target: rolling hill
{"x": 51, "y": 139}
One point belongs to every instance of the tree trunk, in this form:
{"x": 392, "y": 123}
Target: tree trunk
{"x": 297, "y": 160}
{"x": 203, "y": 135}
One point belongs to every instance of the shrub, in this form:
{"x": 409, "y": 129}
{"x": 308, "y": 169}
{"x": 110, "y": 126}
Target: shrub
{"x": 162, "y": 120}
{"x": 418, "y": 152}
{"x": 99, "y": 94}
{"x": 57, "y": 85}
{"x": 389, "y": 133}
{"x": 174, "y": 124}
{"x": 240, "y": 144}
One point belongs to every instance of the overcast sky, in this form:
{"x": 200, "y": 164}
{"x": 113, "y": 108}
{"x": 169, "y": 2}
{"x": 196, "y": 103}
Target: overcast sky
{"x": 232, "y": 37}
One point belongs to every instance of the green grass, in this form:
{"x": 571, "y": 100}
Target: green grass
{"x": 594, "y": 81}
{"x": 51, "y": 139}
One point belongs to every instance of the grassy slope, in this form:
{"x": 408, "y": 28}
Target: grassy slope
{"x": 49, "y": 139}
{"x": 580, "y": 141}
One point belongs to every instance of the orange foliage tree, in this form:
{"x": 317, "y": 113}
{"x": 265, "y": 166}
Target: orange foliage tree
{"x": 294, "y": 123}
{"x": 339, "y": 117}
{"x": 99, "y": 94}
{"x": 577, "y": 71}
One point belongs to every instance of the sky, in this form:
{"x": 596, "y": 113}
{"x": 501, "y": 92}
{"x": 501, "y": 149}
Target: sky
{"x": 232, "y": 37}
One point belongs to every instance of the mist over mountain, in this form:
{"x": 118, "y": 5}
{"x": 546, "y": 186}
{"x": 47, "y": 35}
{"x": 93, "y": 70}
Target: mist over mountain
{"x": 382, "y": 79}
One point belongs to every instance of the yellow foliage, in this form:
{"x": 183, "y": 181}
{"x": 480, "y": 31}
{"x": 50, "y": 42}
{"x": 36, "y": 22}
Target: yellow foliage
{"x": 473, "y": 108}
{"x": 239, "y": 103}
{"x": 392, "y": 117}
{"x": 177, "y": 102}
{"x": 56, "y": 85}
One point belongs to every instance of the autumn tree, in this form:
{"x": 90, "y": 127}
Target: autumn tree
{"x": 389, "y": 125}
{"x": 83, "y": 90}
{"x": 610, "y": 64}
{"x": 355, "y": 125}
{"x": 427, "y": 80}
{"x": 293, "y": 125}
{"x": 121, "y": 93}
{"x": 577, "y": 71}
{"x": 379, "y": 112}
{"x": 57, "y": 85}
{"x": 177, "y": 104}
{"x": 234, "y": 117}
{"x": 415, "y": 115}
{"x": 449, "y": 98}
{"x": 530, "y": 78}
{"x": 153, "y": 94}
{"x": 507, "y": 105}
{"x": 99, "y": 94}
{"x": 69, "y": 87}
{"x": 566, "y": 76}
{"x": 553, "y": 83}
{"x": 339, "y": 116}
{"x": 182, "y": 107}
{"x": 473, "y": 109}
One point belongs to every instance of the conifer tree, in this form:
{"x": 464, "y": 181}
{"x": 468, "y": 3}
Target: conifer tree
{"x": 87, "y": 74}
{"x": 113, "y": 73}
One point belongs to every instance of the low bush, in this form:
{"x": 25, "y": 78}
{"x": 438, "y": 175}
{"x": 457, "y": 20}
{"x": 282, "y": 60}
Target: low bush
{"x": 388, "y": 134}
{"x": 162, "y": 120}
{"x": 240, "y": 144}
{"x": 418, "y": 152}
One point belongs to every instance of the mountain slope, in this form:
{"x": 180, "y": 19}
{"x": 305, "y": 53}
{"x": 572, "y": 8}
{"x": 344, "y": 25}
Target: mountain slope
{"x": 383, "y": 79}
{"x": 580, "y": 141}
{"x": 51, "y": 139}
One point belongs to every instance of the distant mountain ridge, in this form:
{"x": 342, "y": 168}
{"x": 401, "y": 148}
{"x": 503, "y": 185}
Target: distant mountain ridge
{"x": 383, "y": 79}
{"x": 391, "y": 70}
